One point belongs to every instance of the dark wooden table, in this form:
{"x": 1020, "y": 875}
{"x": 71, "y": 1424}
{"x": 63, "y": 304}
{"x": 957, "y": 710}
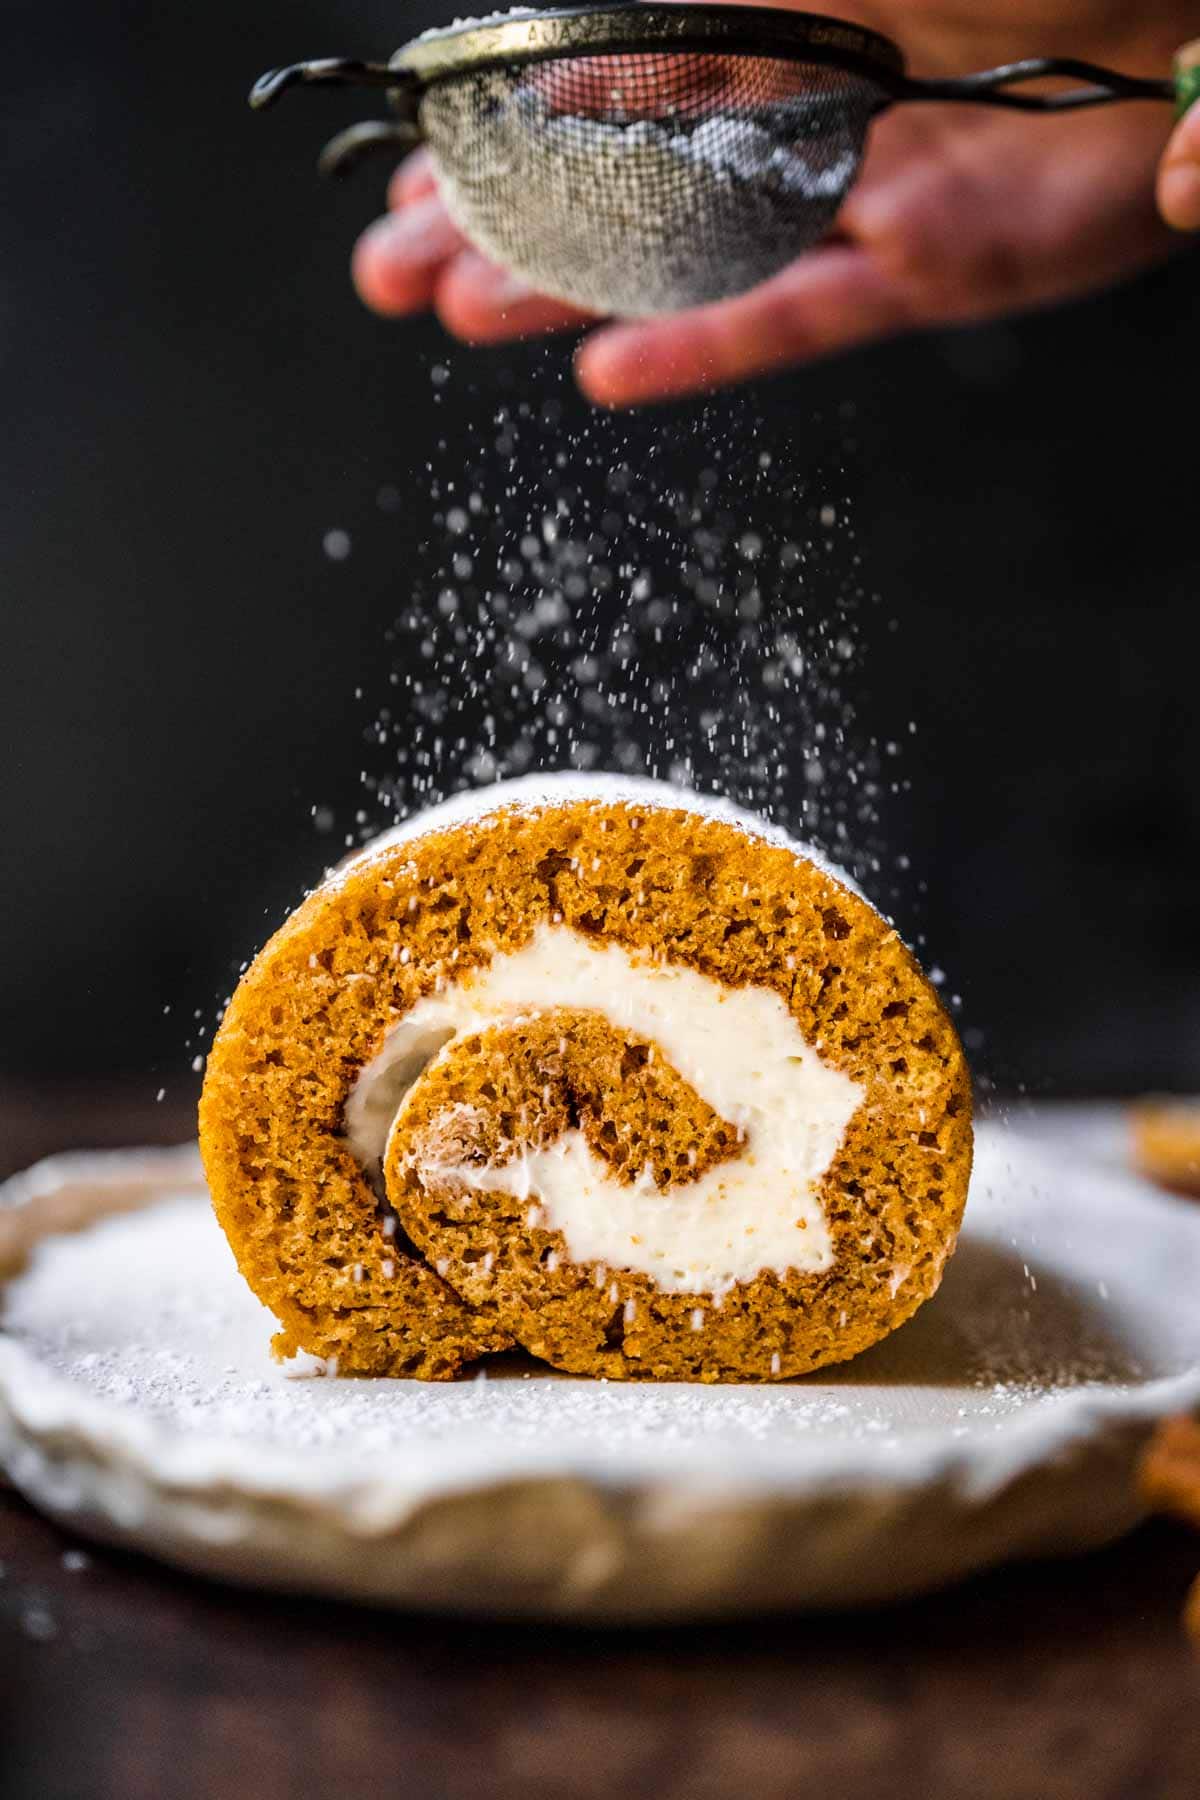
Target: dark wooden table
{"x": 121, "y": 1679}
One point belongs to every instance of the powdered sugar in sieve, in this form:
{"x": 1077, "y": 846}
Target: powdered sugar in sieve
{"x": 622, "y": 203}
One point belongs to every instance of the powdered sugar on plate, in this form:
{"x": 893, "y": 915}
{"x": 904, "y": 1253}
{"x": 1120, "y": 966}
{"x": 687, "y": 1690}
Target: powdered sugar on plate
{"x": 147, "y": 1311}
{"x": 138, "y": 1401}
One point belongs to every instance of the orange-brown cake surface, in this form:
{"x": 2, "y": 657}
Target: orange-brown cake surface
{"x": 1166, "y": 1143}
{"x": 630, "y": 1082}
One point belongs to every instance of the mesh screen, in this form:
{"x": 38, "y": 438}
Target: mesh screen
{"x": 645, "y": 183}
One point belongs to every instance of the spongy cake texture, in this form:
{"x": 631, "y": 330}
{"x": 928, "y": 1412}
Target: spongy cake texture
{"x": 442, "y": 1271}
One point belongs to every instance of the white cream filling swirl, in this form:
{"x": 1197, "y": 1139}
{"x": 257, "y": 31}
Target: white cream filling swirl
{"x": 742, "y": 1051}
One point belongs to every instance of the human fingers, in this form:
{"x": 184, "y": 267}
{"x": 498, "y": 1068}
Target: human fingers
{"x": 975, "y": 217}
{"x": 952, "y": 219}
{"x": 413, "y": 180}
{"x": 477, "y": 300}
{"x": 398, "y": 260}
{"x": 1179, "y": 174}
{"x": 830, "y": 299}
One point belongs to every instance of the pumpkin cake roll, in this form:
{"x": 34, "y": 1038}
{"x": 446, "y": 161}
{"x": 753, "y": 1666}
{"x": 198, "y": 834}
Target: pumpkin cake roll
{"x": 596, "y": 1068}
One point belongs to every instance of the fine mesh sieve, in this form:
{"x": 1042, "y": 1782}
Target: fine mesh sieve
{"x": 653, "y": 187}
{"x": 640, "y": 159}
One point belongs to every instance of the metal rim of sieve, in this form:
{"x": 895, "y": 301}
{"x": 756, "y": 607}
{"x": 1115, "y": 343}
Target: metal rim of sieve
{"x": 511, "y": 43}
{"x": 633, "y": 29}
{"x": 629, "y": 28}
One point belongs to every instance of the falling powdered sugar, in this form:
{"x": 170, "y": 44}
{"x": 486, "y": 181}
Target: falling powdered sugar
{"x": 581, "y": 607}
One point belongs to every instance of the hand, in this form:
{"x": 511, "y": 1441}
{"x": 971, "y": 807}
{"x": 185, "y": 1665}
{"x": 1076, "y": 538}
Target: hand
{"x": 960, "y": 213}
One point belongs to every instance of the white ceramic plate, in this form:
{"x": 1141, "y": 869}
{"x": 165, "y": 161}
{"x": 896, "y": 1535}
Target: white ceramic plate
{"x": 138, "y": 1402}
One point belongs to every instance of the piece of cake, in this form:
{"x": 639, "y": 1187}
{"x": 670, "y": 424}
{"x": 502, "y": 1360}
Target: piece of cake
{"x": 591, "y": 1066}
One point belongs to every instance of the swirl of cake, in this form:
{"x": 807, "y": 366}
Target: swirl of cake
{"x": 594, "y": 1067}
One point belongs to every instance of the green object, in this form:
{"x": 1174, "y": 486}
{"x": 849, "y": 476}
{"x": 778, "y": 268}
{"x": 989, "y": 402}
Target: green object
{"x": 1187, "y": 84}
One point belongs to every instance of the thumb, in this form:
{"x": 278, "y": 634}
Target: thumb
{"x": 1179, "y": 171}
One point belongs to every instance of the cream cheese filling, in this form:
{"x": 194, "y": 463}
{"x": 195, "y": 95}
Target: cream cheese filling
{"x": 742, "y": 1051}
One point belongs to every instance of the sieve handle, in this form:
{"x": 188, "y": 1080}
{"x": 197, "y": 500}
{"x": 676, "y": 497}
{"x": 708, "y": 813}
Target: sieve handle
{"x": 350, "y": 147}
{"x": 330, "y": 71}
{"x": 989, "y": 86}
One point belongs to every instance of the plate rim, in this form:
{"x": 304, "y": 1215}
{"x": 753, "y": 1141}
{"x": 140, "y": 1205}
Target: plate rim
{"x": 36, "y": 1403}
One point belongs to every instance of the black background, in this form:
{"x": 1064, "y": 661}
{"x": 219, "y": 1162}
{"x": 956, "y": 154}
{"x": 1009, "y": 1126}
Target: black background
{"x": 193, "y": 397}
